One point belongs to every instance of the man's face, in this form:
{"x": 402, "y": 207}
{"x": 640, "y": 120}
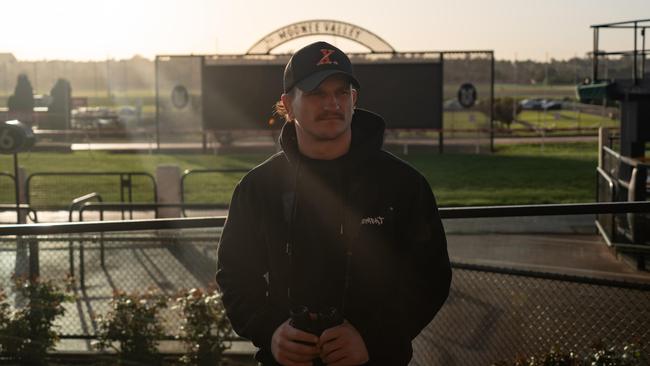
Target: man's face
{"x": 323, "y": 114}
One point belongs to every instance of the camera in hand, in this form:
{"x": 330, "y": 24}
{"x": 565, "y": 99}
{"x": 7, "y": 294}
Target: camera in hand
{"x": 315, "y": 322}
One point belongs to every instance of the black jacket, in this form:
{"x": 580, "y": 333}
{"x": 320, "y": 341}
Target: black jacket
{"x": 399, "y": 273}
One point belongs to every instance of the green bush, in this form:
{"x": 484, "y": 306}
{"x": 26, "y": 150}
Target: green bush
{"x": 23, "y": 98}
{"x": 506, "y": 110}
{"x": 206, "y": 330}
{"x": 628, "y": 355}
{"x": 133, "y": 324}
{"x": 27, "y": 333}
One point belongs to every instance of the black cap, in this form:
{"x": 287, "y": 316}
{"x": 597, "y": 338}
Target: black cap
{"x": 312, "y": 64}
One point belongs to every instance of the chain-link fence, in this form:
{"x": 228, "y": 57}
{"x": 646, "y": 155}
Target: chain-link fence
{"x": 101, "y": 263}
{"x": 492, "y": 314}
{"x": 499, "y": 314}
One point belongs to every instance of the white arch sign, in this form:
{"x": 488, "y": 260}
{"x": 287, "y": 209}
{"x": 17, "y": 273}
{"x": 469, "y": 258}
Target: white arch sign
{"x": 320, "y": 27}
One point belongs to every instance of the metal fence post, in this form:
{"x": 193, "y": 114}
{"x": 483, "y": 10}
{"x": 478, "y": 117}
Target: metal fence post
{"x": 34, "y": 269}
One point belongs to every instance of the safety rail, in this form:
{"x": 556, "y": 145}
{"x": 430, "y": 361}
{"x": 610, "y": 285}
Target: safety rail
{"x": 102, "y": 207}
{"x": 197, "y": 222}
{"x": 622, "y": 179}
{"x": 8, "y": 175}
{"x": 12, "y": 206}
{"x": 188, "y": 173}
{"x": 82, "y": 200}
{"x": 445, "y": 213}
{"x": 637, "y": 54}
{"x": 75, "y": 205}
{"x": 31, "y": 212}
{"x": 624, "y": 159}
{"x": 125, "y": 184}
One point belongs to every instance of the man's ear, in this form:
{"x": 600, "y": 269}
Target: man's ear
{"x": 286, "y": 101}
{"x": 354, "y": 97}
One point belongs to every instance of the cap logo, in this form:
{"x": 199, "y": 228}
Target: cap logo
{"x": 325, "y": 60}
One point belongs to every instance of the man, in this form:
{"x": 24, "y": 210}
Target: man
{"x": 332, "y": 224}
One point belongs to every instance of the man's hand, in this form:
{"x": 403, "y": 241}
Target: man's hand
{"x": 343, "y": 346}
{"x": 287, "y": 349}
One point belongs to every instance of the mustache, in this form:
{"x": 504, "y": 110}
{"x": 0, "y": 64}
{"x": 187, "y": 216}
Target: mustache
{"x": 330, "y": 116}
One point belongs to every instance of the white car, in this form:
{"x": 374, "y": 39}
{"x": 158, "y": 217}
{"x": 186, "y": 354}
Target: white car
{"x": 128, "y": 116}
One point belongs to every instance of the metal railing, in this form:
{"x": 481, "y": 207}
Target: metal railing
{"x": 622, "y": 179}
{"x": 103, "y": 207}
{"x": 5, "y": 175}
{"x": 125, "y": 185}
{"x": 76, "y": 204}
{"x": 204, "y": 173}
{"x": 197, "y": 222}
{"x": 31, "y": 212}
{"x": 637, "y": 54}
{"x": 79, "y": 202}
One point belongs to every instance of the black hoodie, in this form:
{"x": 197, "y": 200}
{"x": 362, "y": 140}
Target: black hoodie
{"x": 361, "y": 233}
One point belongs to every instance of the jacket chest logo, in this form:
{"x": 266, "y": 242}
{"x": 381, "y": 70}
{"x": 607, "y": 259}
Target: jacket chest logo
{"x": 379, "y": 220}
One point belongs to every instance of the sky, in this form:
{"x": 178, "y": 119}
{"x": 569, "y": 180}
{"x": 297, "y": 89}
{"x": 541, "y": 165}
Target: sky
{"x": 119, "y": 29}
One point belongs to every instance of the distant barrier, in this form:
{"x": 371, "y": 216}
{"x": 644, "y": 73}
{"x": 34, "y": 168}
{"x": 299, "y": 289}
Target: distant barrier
{"x": 55, "y": 190}
{"x": 196, "y": 182}
{"x": 623, "y": 179}
{"x": 7, "y": 192}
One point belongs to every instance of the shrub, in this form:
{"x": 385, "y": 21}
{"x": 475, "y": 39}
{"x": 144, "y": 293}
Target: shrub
{"x": 206, "y": 330}
{"x": 628, "y": 355}
{"x": 133, "y": 323}
{"x": 58, "y": 114}
{"x": 23, "y": 98}
{"x": 505, "y": 110}
{"x": 27, "y": 333}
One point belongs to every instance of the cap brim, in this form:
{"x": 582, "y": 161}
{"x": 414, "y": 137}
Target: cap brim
{"x": 313, "y": 81}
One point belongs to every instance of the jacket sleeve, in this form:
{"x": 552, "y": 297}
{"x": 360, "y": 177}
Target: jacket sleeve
{"x": 242, "y": 270}
{"x": 426, "y": 269}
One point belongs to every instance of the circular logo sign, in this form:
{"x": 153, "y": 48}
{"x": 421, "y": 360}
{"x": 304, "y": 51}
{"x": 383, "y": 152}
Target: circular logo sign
{"x": 467, "y": 95}
{"x": 15, "y": 137}
{"x": 180, "y": 97}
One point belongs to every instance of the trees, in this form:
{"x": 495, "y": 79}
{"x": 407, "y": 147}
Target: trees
{"x": 506, "y": 109}
{"x": 58, "y": 113}
{"x": 23, "y": 98}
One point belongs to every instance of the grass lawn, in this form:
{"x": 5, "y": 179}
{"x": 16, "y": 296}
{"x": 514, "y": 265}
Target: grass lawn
{"x": 564, "y": 119}
{"x": 534, "y": 91}
{"x": 517, "y": 174}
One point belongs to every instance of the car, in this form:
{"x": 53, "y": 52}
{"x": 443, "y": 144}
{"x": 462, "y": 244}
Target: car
{"x": 550, "y": 104}
{"x": 452, "y": 105}
{"x": 42, "y": 101}
{"x": 128, "y": 116}
{"x": 94, "y": 117}
{"x": 541, "y": 104}
{"x": 531, "y": 104}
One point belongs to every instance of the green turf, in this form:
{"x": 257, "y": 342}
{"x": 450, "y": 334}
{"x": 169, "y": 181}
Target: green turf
{"x": 534, "y": 91}
{"x": 520, "y": 174}
{"x": 515, "y": 174}
{"x": 58, "y": 191}
{"x": 564, "y": 119}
